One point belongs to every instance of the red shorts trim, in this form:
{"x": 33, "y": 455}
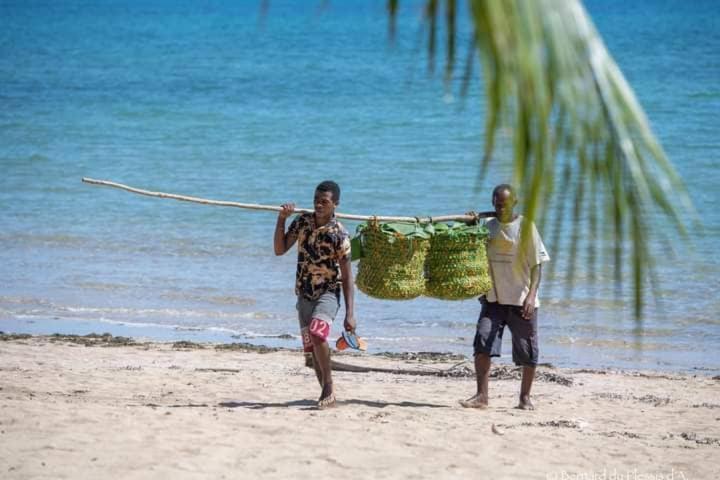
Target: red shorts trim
{"x": 320, "y": 329}
{"x": 306, "y": 342}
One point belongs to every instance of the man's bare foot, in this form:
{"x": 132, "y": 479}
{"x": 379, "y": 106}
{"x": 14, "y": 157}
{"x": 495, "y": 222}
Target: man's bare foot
{"x": 525, "y": 403}
{"x": 476, "y": 401}
{"x": 327, "y": 402}
{"x": 327, "y": 397}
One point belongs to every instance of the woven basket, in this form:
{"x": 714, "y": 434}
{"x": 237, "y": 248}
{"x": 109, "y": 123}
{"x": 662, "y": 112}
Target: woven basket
{"x": 392, "y": 264}
{"x": 456, "y": 266}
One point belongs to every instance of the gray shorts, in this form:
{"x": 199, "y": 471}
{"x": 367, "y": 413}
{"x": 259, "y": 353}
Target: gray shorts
{"x": 490, "y": 327}
{"x": 316, "y": 317}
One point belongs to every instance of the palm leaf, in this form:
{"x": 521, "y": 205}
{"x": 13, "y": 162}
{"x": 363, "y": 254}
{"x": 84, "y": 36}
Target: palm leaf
{"x": 550, "y": 78}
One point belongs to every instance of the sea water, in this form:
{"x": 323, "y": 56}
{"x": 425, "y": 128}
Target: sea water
{"x": 220, "y": 100}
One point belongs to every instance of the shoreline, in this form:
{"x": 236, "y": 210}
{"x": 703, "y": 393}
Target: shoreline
{"x": 273, "y": 343}
{"x": 108, "y": 340}
{"x": 100, "y": 407}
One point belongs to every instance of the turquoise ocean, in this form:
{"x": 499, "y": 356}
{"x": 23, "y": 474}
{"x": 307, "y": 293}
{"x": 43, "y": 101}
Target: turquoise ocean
{"x": 214, "y": 99}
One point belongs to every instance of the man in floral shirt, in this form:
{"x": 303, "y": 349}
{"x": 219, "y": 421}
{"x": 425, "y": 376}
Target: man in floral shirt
{"x": 323, "y": 270}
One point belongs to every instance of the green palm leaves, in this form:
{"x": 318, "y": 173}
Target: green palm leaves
{"x": 582, "y": 147}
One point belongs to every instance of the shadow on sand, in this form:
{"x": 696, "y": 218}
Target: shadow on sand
{"x": 312, "y": 405}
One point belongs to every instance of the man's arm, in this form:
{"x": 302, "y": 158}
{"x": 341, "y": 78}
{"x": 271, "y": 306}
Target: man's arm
{"x": 479, "y": 215}
{"x": 529, "y": 304}
{"x": 282, "y": 240}
{"x": 348, "y": 287}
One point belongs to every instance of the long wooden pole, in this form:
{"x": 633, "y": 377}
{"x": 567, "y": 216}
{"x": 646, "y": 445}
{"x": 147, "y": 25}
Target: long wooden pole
{"x": 253, "y": 206}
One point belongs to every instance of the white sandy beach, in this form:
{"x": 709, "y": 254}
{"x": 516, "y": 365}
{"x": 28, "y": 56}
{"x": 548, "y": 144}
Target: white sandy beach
{"x": 154, "y": 411}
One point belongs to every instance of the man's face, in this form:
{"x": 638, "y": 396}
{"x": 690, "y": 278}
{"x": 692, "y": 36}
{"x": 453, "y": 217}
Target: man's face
{"x": 504, "y": 202}
{"x": 324, "y": 204}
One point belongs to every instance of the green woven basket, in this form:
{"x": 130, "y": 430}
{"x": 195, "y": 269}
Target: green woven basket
{"x": 392, "y": 262}
{"x": 456, "y": 265}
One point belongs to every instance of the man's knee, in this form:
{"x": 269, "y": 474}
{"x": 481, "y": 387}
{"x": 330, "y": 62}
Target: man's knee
{"x": 483, "y": 356}
{"x": 317, "y": 341}
{"x": 482, "y": 362}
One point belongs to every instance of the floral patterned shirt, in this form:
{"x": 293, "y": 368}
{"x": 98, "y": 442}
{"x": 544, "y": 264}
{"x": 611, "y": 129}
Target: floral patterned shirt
{"x": 320, "y": 250}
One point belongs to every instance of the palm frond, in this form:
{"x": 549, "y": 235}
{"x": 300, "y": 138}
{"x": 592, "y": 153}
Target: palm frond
{"x": 550, "y": 78}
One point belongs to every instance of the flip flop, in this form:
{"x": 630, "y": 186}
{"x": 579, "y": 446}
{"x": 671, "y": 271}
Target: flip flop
{"x": 350, "y": 340}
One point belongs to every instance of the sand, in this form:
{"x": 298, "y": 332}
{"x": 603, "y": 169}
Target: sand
{"x": 69, "y": 410}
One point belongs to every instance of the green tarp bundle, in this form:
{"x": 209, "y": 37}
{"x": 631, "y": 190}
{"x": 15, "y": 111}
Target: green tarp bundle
{"x": 400, "y": 261}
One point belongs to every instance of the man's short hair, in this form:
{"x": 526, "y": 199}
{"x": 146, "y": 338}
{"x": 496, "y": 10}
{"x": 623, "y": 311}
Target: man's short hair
{"x": 502, "y": 187}
{"x": 332, "y": 187}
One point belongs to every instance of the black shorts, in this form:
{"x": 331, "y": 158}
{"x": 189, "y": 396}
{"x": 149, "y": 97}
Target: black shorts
{"x": 490, "y": 326}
